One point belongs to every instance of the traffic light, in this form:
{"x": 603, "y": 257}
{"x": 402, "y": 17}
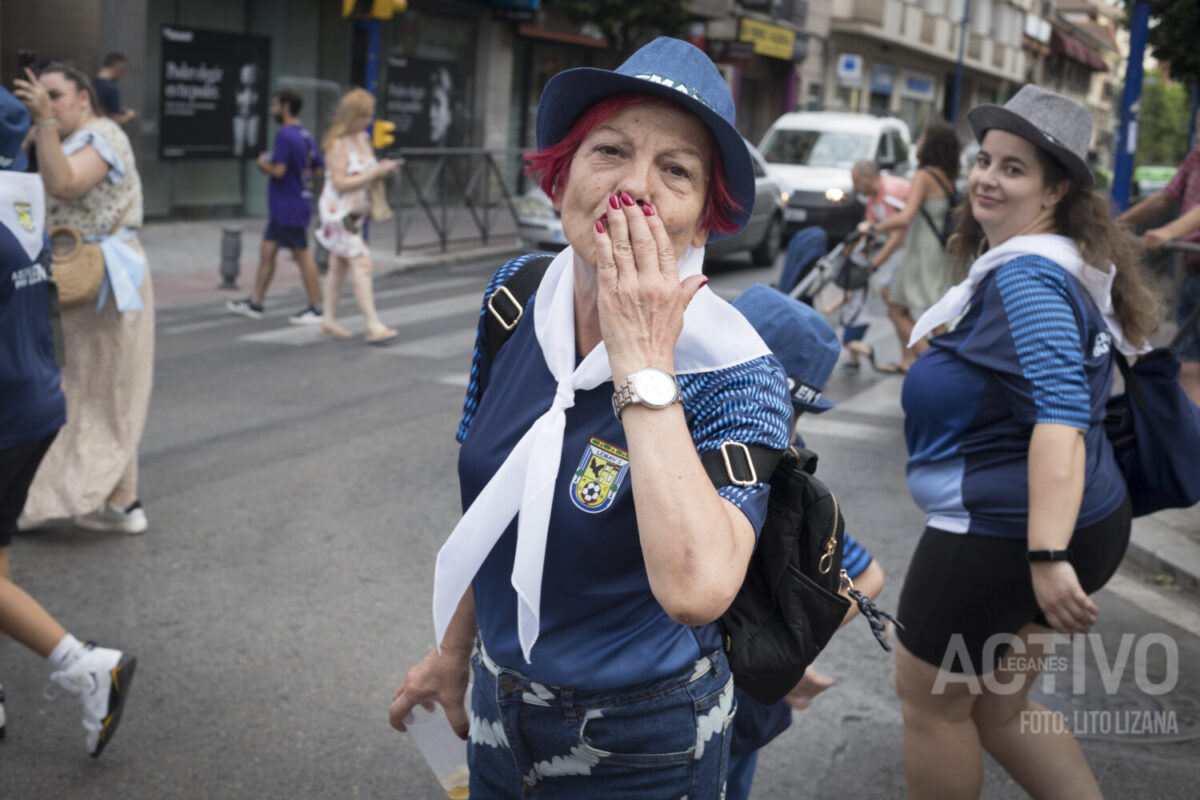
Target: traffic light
{"x": 373, "y": 9}
{"x": 383, "y": 134}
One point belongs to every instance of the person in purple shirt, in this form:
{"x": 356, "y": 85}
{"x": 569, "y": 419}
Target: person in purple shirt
{"x": 293, "y": 166}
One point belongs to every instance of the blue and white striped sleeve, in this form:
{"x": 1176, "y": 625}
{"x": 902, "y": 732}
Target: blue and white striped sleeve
{"x": 480, "y": 365}
{"x": 1046, "y": 335}
{"x": 747, "y": 403}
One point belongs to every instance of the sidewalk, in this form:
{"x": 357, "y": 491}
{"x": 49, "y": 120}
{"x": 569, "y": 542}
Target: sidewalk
{"x": 1168, "y": 543}
{"x": 185, "y": 256}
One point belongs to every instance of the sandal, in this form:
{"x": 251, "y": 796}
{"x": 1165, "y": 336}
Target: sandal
{"x": 892, "y": 368}
{"x": 334, "y": 331}
{"x": 381, "y": 337}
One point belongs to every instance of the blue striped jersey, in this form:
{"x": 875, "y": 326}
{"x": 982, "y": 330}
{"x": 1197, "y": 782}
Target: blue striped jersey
{"x": 601, "y": 626}
{"x": 1032, "y": 348}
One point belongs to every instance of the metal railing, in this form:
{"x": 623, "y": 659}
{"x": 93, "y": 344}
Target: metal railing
{"x": 443, "y": 188}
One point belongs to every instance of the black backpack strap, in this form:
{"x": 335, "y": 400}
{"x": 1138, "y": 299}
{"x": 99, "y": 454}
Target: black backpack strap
{"x": 738, "y": 464}
{"x": 506, "y": 305}
{"x": 943, "y": 236}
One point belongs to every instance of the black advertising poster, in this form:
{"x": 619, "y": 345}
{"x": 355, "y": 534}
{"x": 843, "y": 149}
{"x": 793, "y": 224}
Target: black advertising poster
{"x": 422, "y": 97}
{"x": 215, "y": 94}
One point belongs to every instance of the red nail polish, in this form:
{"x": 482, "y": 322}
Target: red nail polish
{"x": 704, "y": 284}
{"x": 462, "y": 736}
{"x": 599, "y": 226}
{"x": 647, "y": 209}
{"x": 612, "y": 201}
{"x": 626, "y": 198}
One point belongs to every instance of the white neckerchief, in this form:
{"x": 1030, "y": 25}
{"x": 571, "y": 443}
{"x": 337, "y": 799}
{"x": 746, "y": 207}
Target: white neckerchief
{"x": 1059, "y": 249}
{"x": 715, "y": 336}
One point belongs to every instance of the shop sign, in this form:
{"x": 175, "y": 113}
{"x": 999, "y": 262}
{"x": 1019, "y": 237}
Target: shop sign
{"x": 214, "y": 94}
{"x": 768, "y": 40}
{"x": 883, "y": 77}
{"x": 849, "y": 70}
{"x": 918, "y": 87}
{"x": 515, "y": 10}
{"x": 727, "y": 50}
{"x": 422, "y": 97}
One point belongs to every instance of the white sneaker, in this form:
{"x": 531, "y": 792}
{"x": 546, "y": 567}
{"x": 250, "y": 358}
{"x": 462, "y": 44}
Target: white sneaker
{"x": 115, "y": 519}
{"x": 309, "y": 316}
{"x": 246, "y": 307}
{"x": 100, "y": 678}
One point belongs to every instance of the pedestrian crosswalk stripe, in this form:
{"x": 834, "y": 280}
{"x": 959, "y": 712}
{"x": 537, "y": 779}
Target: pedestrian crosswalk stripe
{"x": 446, "y": 345}
{"x": 812, "y": 426}
{"x": 466, "y": 305}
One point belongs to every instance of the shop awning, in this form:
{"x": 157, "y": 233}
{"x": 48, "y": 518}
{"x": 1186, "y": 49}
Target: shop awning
{"x": 1076, "y": 50}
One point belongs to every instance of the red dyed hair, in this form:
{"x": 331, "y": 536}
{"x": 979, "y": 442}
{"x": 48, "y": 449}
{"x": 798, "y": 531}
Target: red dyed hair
{"x": 551, "y": 165}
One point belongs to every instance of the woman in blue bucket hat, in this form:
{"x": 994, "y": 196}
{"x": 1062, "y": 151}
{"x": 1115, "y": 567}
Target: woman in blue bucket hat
{"x": 582, "y": 584}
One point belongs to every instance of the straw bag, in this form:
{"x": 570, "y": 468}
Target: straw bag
{"x": 78, "y": 267}
{"x": 377, "y": 197}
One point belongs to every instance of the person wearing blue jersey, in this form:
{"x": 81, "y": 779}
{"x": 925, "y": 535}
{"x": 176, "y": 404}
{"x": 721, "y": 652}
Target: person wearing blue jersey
{"x": 595, "y": 556}
{"x": 807, "y": 347}
{"x": 1026, "y": 510}
{"x": 32, "y": 410}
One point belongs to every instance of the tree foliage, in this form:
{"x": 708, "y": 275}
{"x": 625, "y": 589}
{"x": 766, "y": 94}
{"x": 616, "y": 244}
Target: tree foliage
{"x": 627, "y": 24}
{"x": 1162, "y": 121}
{"x": 1173, "y": 36}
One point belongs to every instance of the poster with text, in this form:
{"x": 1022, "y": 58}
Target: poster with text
{"x": 422, "y": 96}
{"x": 215, "y": 94}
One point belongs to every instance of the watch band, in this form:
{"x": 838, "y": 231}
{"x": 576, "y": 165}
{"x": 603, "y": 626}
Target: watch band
{"x": 1038, "y": 556}
{"x": 625, "y": 396}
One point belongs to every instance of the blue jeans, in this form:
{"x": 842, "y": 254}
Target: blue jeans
{"x": 664, "y": 739}
{"x": 741, "y": 775}
{"x": 803, "y": 250}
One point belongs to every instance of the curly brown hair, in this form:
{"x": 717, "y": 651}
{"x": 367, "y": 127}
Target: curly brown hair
{"x": 1083, "y": 217}
{"x": 939, "y": 147}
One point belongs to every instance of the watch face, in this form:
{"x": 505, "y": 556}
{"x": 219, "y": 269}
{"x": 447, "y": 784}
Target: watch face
{"x": 654, "y": 387}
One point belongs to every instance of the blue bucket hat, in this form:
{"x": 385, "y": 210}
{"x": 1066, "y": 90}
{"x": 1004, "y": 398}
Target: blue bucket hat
{"x": 800, "y": 338}
{"x": 669, "y": 68}
{"x": 14, "y": 124}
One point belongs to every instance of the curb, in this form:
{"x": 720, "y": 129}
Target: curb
{"x": 1162, "y": 544}
{"x": 432, "y": 260}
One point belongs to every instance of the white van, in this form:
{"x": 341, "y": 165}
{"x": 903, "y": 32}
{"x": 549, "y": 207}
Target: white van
{"x": 810, "y": 153}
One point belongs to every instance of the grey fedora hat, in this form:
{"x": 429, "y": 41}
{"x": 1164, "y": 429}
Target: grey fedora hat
{"x": 1057, "y": 124}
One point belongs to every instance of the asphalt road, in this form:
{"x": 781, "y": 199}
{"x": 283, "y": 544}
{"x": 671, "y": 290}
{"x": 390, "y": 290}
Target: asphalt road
{"x": 298, "y": 490}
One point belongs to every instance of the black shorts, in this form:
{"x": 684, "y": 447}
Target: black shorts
{"x": 18, "y": 465}
{"x": 964, "y": 588}
{"x": 287, "y": 236}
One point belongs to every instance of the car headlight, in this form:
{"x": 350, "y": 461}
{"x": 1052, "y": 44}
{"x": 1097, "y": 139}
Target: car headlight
{"x": 783, "y": 197}
{"x": 834, "y": 194}
{"x": 534, "y": 204}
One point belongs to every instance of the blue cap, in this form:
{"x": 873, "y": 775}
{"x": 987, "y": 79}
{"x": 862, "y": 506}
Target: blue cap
{"x": 14, "y": 124}
{"x": 669, "y": 68}
{"x": 801, "y": 339}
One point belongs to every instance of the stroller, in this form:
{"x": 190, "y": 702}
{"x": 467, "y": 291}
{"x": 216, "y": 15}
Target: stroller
{"x": 848, "y": 264}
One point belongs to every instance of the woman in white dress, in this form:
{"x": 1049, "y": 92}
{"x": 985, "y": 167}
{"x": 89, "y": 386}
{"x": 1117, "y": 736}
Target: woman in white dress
{"x": 343, "y": 208}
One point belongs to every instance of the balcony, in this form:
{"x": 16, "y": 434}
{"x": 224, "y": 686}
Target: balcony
{"x": 935, "y": 34}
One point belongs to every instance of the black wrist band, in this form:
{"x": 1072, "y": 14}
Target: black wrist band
{"x": 1036, "y": 556}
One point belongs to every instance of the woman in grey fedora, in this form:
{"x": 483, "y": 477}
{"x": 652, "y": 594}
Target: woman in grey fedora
{"x": 595, "y": 555}
{"x": 1026, "y": 510}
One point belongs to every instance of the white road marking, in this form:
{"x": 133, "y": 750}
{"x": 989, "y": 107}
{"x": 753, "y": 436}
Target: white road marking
{"x": 446, "y": 345}
{"x": 398, "y": 317}
{"x": 1155, "y": 603}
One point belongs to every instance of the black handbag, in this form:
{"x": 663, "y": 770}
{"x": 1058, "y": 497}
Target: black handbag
{"x": 788, "y": 607}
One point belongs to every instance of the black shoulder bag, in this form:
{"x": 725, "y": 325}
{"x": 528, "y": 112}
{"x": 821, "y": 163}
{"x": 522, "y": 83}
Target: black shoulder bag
{"x": 788, "y": 607}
